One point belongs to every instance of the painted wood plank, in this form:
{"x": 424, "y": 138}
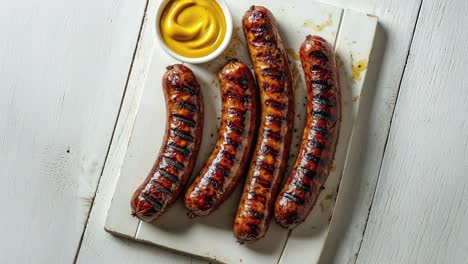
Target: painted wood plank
{"x": 391, "y": 44}
{"x": 353, "y": 47}
{"x": 63, "y": 69}
{"x": 420, "y": 210}
{"x": 99, "y": 246}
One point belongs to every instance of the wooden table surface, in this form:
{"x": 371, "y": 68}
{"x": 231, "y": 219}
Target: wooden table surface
{"x": 64, "y": 67}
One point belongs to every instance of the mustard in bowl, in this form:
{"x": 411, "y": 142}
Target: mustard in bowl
{"x": 194, "y": 31}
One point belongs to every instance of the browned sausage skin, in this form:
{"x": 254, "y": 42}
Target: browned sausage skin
{"x": 277, "y": 111}
{"x": 179, "y": 150}
{"x": 320, "y": 137}
{"x": 225, "y": 166}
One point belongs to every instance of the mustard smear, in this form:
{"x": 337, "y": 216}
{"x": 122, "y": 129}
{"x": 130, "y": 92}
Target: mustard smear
{"x": 320, "y": 27}
{"x": 357, "y": 68}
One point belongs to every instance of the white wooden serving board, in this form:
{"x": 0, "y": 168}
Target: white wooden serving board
{"x": 211, "y": 237}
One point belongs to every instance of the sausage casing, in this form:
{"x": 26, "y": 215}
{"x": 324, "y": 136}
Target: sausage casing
{"x": 226, "y": 164}
{"x": 271, "y": 152}
{"x": 179, "y": 150}
{"x": 320, "y": 137}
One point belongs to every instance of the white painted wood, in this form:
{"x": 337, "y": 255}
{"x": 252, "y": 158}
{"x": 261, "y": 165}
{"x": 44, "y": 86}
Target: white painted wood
{"x": 420, "y": 210}
{"x": 99, "y": 246}
{"x": 352, "y": 49}
{"x": 63, "y": 68}
{"x": 391, "y": 44}
{"x": 97, "y": 22}
{"x": 193, "y": 235}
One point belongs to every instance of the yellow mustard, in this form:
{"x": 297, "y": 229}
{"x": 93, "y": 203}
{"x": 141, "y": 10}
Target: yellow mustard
{"x": 193, "y": 28}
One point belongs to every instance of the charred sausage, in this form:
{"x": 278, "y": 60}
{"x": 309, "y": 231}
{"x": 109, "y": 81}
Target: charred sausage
{"x": 269, "y": 158}
{"x": 178, "y": 153}
{"x": 225, "y": 166}
{"x": 317, "y": 151}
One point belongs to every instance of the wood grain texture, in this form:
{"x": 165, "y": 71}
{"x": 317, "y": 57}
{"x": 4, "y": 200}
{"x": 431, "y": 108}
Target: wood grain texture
{"x": 99, "y": 246}
{"x": 420, "y": 210}
{"x": 63, "y": 68}
{"x": 391, "y": 45}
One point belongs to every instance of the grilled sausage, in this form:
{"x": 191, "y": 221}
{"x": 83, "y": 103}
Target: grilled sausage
{"x": 178, "y": 153}
{"x": 320, "y": 137}
{"x": 269, "y": 159}
{"x": 225, "y": 166}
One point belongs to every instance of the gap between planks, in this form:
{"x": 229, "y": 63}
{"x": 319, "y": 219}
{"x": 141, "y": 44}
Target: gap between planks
{"x": 388, "y": 134}
{"x": 135, "y": 51}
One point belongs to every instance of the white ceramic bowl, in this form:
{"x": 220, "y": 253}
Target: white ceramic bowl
{"x": 211, "y": 56}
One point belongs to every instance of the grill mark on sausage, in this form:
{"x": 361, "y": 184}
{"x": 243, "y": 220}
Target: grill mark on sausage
{"x": 315, "y": 144}
{"x": 189, "y": 122}
{"x": 323, "y": 131}
{"x": 275, "y": 104}
{"x": 265, "y": 57}
{"x": 267, "y": 150}
{"x": 185, "y": 89}
{"x": 294, "y": 198}
{"x": 278, "y": 120}
{"x": 316, "y": 69}
{"x": 174, "y": 163}
{"x": 236, "y": 112}
{"x": 241, "y": 82}
{"x": 302, "y": 186}
{"x": 306, "y": 172}
{"x": 258, "y": 35}
{"x": 257, "y": 215}
{"x": 323, "y": 100}
{"x": 157, "y": 205}
{"x": 274, "y": 89}
{"x": 255, "y": 196}
{"x": 209, "y": 199}
{"x": 224, "y": 171}
{"x": 269, "y": 168}
{"x": 311, "y": 157}
{"x": 322, "y": 115}
{"x": 178, "y": 149}
{"x": 228, "y": 155}
{"x": 188, "y": 106}
{"x": 264, "y": 183}
{"x": 241, "y": 98}
{"x": 270, "y": 42}
{"x": 318, "y": 54}
{"x": 232, "y": 142}
{"x": 275, "y": 74}
{"x": 259, "y": 28}
{"x": 254, "y": 228}
{"x": 169, "y": 176}
{"x": 216, "y": 185}
{"x": 272, "y": 134}
{"x": 233, "y": 127}
{"x": 182, "y": 134}
{"x": 320, "y": 85}
{"x": 161, "y": 188}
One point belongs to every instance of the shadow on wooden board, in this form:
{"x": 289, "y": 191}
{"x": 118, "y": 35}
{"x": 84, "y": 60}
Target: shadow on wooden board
{"x": 357, "y": 151}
